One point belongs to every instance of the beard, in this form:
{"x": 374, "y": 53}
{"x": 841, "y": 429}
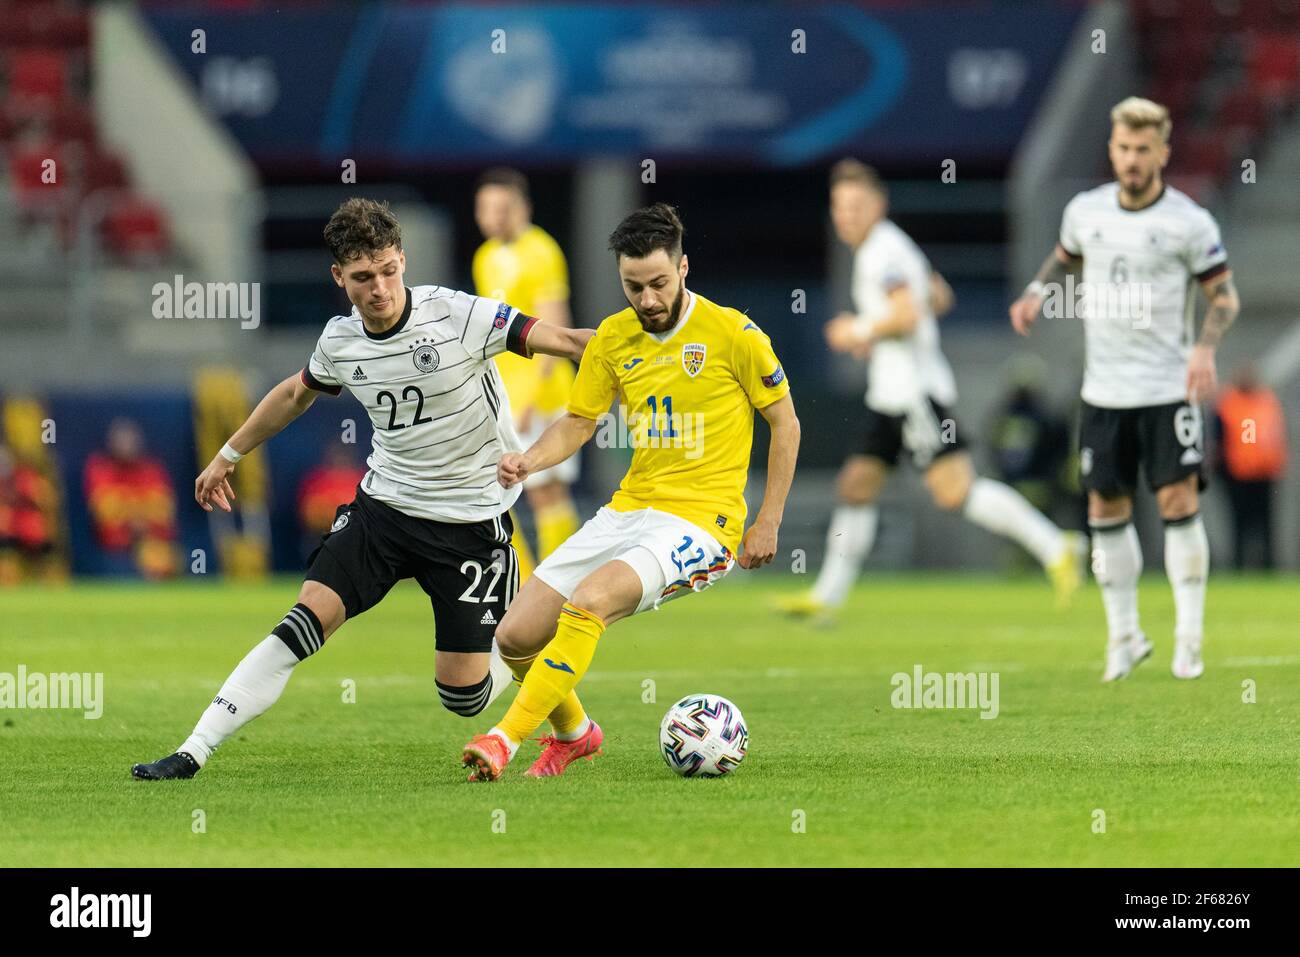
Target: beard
{"x": 662, "y": 323}
{"x": 1139, "y": 186}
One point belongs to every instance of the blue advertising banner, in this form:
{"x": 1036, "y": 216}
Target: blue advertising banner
{"x": 772, "y": 85}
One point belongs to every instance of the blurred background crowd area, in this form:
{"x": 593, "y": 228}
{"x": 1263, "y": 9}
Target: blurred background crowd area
{"x": 142, "y": 142}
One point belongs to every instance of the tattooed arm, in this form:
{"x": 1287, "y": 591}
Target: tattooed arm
{"x": 1224, "y": 306}
{"x": 1025, "y": 309}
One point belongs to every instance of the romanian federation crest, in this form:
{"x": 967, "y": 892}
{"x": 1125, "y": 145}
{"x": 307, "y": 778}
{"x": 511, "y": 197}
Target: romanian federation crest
{"x": 693, "y": 358}
{"x": 425, "y": 358}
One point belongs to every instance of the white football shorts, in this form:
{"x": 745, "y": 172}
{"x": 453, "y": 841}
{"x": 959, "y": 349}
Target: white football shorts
{"x": 671, "y": 556}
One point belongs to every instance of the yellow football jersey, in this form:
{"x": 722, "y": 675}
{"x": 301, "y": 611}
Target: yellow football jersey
{"x": 526, "y": 272}
{"x": 688, "y": 401}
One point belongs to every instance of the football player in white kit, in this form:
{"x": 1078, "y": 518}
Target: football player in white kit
{"x": 909, "y": 402}
{"x": 1142, "y": 245}
{"x": 419, "y": 360}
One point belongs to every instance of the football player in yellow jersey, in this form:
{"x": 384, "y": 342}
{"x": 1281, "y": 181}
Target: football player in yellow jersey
{"x": 688, "y": 375}
{"x": 521, "y": 264}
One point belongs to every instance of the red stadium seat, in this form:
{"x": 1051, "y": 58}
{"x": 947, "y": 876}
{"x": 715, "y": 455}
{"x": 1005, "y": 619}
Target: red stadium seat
{"x": 38, "y": 79}
{"x": 103, "y": 170}
{"x": 27, "y": 174}
{"x": 1204, "y": 153}
{"x": 1182, "y": 52}
{"x": 1244, "y": 107}
{"x": 46, "y": 24}
{"x": 74, "y": 121}
{"x": 1175, "y": 94}
{"x": 1276, "y": 64}
{"x": 135, "y": 230}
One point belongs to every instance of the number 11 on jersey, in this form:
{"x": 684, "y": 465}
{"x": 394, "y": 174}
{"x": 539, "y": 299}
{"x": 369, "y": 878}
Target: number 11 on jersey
{"x": 654, "y": 432}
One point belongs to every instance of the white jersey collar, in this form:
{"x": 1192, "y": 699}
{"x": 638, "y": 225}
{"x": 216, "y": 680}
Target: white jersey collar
{"x": 686, "y": 314}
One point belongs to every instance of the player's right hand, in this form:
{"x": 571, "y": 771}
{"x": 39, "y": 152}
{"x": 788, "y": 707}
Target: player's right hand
{"x": 213, "y": 485}
{"x": 1024, "y": 311}
{"x": 512, "y": 469}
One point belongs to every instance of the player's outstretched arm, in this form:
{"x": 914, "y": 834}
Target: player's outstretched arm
{"x": 561, "y": 439}
{"x": 1024, "y": 311}
{"x": 856, "y": 336}
{"x": 759, "y": 544}
{"x": 554, "y": 313}
{"x": 1222, "y": 313}
{"x": 284, "y": 403}
{"x": 552, "y": 340}
{"x": 900, "y": 318}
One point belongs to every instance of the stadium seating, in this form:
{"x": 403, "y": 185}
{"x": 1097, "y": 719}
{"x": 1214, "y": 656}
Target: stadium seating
{"x": 1229, "y": 72}
{"x": 46, "y": 73}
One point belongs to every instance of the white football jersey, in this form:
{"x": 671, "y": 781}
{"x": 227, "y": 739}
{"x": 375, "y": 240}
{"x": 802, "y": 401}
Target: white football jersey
{"x": 1136, "y": 298}
{"x": 439, "y": 410}
{"x": 901, "y": 371}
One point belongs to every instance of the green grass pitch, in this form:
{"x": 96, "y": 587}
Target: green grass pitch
{"x": 1186, "y": 773}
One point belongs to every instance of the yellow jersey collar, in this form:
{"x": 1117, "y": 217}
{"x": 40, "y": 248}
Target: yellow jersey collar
{"x": 663, "y": 337}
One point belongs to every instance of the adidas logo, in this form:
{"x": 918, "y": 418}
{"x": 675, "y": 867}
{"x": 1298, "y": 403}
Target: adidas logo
{"x": 1190, "y": 457}
{"x": 488, "y": 618}
{"x": 358, "y": 375}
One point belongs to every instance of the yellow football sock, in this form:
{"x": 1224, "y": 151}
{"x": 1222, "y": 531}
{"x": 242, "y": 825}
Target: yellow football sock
{"x": 554, "y": 674}
{"x": 569, "y": 715}
{"x": 555, "y": 524}
{"x": 524, "y": 553}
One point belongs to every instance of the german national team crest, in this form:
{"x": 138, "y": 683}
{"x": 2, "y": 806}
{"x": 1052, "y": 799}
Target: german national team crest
{"x": 693, "y": 358}
{"x": 426, "y": 358}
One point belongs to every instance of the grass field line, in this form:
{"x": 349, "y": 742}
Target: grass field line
{"x": 400, "y": 680}
{"x": 621, "y": 675}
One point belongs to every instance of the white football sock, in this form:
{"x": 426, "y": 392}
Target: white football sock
{"x": 502, "y": 676}
{"x": 1187, "y": 563}
{"x": 254, "y": 685}
{"x": 1004, "y": 511}
{"x": 1117, "y": 566}
{"x": 848, "y": 543}
{"x": 510, "y": 742}
{"x": 576, "y": 733}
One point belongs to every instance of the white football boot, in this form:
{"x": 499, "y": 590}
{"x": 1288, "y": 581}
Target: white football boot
{"x": 1187, "y": 659}
{"x": 1124, "y": 655}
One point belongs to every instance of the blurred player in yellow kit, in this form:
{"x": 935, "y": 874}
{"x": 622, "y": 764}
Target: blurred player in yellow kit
{"x": 689, "y": 375}
{"x": 521, "y": 264}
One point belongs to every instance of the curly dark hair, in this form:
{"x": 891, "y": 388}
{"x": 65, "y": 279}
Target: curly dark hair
{"x": 361, "y": 227}
{"x": 649, "y": 228}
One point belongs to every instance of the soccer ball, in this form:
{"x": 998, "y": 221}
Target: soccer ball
{"x": 703, "y": 736}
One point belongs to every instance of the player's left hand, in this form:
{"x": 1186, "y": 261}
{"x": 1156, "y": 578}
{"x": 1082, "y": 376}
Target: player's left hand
{"x": 841, "y": 334}
{"x": 512, "y": 469}
{"x": 758, "y": 547}
{"x": 1202, "y": 382}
